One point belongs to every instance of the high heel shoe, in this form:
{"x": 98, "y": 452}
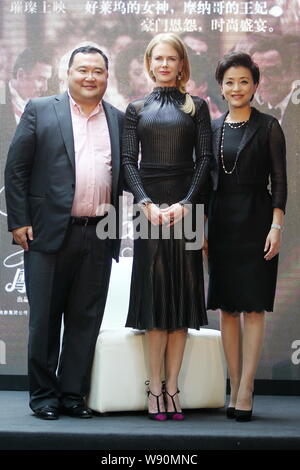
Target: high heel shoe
{"x": 230, "y": 412}
{"x": 159, "y": 415}
{"x": 244, "y": 415}
{"x": 175, "y": 415}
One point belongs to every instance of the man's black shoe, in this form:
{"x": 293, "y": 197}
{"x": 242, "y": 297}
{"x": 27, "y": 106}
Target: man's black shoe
{"x": 47, "y": 412}
{"x": 77, "y": 411}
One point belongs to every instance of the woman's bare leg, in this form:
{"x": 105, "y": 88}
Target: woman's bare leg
{"x": 174, "y": 355}
{"x": 253, "y": 335}
{"x": 156, "y": 345}
{"x": 231, "y": 338}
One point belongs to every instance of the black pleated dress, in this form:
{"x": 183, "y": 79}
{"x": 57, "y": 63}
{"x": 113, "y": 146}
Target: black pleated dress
{"x": 167, "y": 289}
{"x": 239, "y": 220}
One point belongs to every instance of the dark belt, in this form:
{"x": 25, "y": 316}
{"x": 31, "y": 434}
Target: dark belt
{"x": 86, "y": 220}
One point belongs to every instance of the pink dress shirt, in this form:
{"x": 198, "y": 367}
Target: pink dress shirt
{"x": 92, "y": 161}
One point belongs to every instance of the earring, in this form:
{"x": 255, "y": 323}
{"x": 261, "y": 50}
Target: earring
{"x": 152, "y": 75}
{"x": 179, "y": 76}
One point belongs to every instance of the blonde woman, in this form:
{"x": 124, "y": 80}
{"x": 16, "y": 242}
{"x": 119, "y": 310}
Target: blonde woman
{"x": 167, "y": 294}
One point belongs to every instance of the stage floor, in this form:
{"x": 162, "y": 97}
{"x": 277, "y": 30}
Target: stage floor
{"x": 276, "y": 425}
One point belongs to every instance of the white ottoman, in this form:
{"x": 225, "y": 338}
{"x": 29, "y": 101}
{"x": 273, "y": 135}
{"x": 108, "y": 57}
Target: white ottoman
{"x": 120, "y": 370}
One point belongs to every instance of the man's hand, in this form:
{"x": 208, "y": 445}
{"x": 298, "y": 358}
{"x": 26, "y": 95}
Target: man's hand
{"x": 22, "y": 235}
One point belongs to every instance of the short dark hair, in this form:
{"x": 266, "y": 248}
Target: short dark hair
{"x": 88, "y": 50}
{"x": 285, "y": 46}
{"x": 236, "y": 59}
{"x": 28, "y": 58}
{"x": 133, "y": 50}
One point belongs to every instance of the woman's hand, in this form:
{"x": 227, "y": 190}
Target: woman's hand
{"x": 154, "y": 214}
{"x": 175, "y": 213}
{"x": 272, "y": 245}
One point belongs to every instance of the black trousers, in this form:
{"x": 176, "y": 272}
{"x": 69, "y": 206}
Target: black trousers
{"x": 71, "y": 284}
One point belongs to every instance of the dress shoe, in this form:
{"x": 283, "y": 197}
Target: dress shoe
{"x": 47, "y": 412}
{"x": 230, "y": 412}
{"x": 77, "y": 411}
{"x": 159, "y": 415}
{"x": 244, "y": 415}
{"x": 174, "y": 415}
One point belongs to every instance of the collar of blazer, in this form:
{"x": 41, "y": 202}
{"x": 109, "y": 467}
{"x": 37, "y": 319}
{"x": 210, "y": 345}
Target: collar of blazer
{"x": 251, "y": 129}
{"x": 63, "y": 112}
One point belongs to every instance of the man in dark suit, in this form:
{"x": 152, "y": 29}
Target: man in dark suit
{"x": 277, "y": 94}
{"x": 279, "y": 68}
{"x": 62, "y": 177}
{"x": 32, "y": 71}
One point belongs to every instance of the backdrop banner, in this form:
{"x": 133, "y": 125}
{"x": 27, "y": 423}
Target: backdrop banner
{"x": 36, "y": 39}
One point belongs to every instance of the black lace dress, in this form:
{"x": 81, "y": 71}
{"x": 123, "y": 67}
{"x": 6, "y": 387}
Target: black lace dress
{"x": 239, "y": 219}
{"x": 167, "y": 289}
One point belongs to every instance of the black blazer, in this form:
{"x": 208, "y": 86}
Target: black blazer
{"x": 261, "y": 155}
{"x": 40, "y": 170}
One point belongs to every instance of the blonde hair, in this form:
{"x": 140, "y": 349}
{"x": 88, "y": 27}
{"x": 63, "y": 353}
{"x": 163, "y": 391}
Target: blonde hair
{"x": 174, "y": 41}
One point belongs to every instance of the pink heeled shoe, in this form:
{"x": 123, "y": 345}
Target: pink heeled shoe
{"x": 175, "y": 415}
{"x": 159, "y": 415}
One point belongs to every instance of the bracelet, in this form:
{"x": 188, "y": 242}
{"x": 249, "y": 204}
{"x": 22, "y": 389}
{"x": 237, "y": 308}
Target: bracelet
{"x": 277, "y": 226}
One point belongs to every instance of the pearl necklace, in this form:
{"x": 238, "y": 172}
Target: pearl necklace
{"x": 230, "y": 124}
{"x": 222, "y": 146}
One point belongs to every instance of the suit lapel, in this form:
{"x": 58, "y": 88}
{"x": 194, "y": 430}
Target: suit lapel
{"x": 251, "y": 129}
{"x": 113, "y": 127}
{"x": 63, "y": 112}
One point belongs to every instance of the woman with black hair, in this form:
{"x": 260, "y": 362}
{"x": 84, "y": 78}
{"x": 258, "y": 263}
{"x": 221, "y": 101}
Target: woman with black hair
{"x": 245, "y": 222}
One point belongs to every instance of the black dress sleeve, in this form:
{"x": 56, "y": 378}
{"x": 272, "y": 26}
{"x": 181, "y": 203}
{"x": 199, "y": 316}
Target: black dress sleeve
{"x": 278, "y": 165}
{"x": 130, "y": 154}
{"x": 203, "y": 153}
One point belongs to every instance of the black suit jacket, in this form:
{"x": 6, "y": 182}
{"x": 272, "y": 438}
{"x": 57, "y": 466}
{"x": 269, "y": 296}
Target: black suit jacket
{"x": 40, "y": 170}
{"x": 261, "y": 155}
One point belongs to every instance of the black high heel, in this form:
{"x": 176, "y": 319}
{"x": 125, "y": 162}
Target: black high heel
{"x": 244, "y": 415}
{"x": 159, "y": 415}
{"x": 175, "y": 415}
{"x": 230, "y": 412}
